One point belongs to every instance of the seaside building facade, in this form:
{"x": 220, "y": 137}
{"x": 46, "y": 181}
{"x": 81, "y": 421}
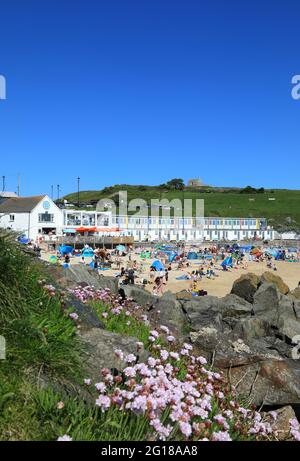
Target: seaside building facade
{"x": 39, "y": 217}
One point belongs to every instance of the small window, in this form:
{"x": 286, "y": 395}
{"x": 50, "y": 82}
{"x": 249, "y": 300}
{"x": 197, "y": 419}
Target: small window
{"x": 12, "y": 217}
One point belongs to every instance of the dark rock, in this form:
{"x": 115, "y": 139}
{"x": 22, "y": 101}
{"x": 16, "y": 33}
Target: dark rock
{"x": 87, "y": 316}
{"x": 82, "y": 275}
{"x": 266, "y": 298}
{"x": 246, "y": 286}
{"x": 100, "y": 346}
{"x": 270, "y": 382}
{"x": 140, "y": 295}
{"x": 171, "y": 314}
{"x": 203, "y": 311}
{"x": 234, "y": 306}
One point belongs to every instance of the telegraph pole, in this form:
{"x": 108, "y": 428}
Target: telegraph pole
{"x": 78, "y": 188}
{"x": 57, "y": 191}
{"x": 18, "y": 185}
{"x": 52, "y": 192}
{"x": 3, "y": 183}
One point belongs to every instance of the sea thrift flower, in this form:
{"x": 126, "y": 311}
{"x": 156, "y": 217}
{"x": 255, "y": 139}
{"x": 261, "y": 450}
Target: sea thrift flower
{"x": 221, "y": 436}
{"x": 73, "y": 316}
{"x": 164, "y": 329}
{"x": 119, "y": 354}
{"x": 130, "y": 358}
{"x": 185, "y": 428}
{"x": 170, "y": 338}
{"x": 64, "y": 438}
{"x": 87, "y": 381}
{"x": 100, "y": 387}
{"x": 104, "y": 402}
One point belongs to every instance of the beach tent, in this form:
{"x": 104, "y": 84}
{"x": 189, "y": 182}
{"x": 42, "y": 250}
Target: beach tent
{"x": 65, "y": 249}
{"x": 172, "y": 256}
{"x": 227, "y": 262}
{"x": 192, "y": 255}
{"x": 23, "y": 240}
{"x": 158, "y": 265}
{"x": 120, "y": 248}
{"x": 88, "y": 252}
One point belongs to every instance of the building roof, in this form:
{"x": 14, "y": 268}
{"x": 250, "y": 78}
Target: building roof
{"x": 20, "y": 204}
{"x": 7, "y": 194}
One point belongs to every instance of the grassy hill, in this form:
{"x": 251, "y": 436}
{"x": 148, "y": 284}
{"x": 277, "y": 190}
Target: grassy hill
{"x": 283, "y": 213}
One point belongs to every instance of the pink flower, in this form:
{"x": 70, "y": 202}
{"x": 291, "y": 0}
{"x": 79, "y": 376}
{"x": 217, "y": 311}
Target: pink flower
{"x": 104, "y": 402}
{"x": 151, "y": 362}
{"x": 170, "y": 338}
{"x": 174, "y": 355}
{"x": 74, "y": 316}
{"x": 154, "y": 333}
{"x": 87, "y": 381}
{"x": 129, "y": 372}
{"x": 201, "y": 360}
{"x": 119, "y": 354}
{"x": 164, "y": 329}
{"x": 130, "y": 358}
{"x": 64, "y": 438}
{"x": 104, "y": 315}
{"x": 185, "y": 428}
{"x": 164, "y": 354}
{"x": 100, "y": 387}
{"x": 221, "y": 436}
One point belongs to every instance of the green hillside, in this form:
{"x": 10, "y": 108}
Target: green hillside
{"x": 283, "y": 213}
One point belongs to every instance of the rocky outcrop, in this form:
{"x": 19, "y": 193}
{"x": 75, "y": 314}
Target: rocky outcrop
{"x": 246, "y": 286}
{"x": 170, "y": 313}
{"x": 82, "y": 275}
{"x": 281, "y": 425}
{"x": 100, "y": 346}
{"x": 255, "y": 341}
{"x": 296, "y": 293}
{"x": 140, "y": 295}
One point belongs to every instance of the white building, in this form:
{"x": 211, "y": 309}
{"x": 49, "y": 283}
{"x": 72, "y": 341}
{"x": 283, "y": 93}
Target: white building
{"x": 32, "y": 216}
{"x": 38, "y": 216}
{"x": 172, "y": 229}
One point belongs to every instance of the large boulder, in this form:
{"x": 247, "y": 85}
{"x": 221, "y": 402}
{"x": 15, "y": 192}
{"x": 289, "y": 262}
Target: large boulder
{"x": 100, "y": 346}
{"x": 296, "y": 293}
{"x": 140, "y": 295}
{"x": 234, "y": 306}
{"x": 246, "y": 286}
{"x": 203, "y": 311}
{"x": 270, "y": 277}
{"x": 170, "y": 313}
{"x": 269, "y": 382}
{"x": 281, "y": 425}
{"x": 79, "y": 274}
{"x": 266, "y": 298}
{"x": 87, "y": 317}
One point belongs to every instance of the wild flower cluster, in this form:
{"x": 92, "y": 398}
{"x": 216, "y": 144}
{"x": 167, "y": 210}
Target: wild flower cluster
{"x": 202, "y": 406}
{"x": 112, "y": 306}
{"x": 295, "y": 429}
{"x": 174, "y": 392}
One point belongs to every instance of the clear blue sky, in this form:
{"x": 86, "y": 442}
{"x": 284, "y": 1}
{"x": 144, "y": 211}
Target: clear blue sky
{"x": 141, "y": 91}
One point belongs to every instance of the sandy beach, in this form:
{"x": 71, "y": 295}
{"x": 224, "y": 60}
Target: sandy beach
{"x": 219, "y": 286}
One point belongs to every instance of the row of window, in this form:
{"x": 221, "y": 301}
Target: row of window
{"x": 187, "y": 221}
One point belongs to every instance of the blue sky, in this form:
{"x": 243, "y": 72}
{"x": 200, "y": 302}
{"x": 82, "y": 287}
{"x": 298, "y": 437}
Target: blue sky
{"x": 139, "y": 92}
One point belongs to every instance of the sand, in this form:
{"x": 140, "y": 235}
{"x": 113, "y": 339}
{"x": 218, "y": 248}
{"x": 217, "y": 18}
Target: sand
{"x": 219, "y": 286}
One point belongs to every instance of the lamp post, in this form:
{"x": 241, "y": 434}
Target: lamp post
{"x": 78, "y": 187}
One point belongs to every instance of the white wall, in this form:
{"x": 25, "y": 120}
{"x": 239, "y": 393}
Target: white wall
{"x": 28, "y": 223}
